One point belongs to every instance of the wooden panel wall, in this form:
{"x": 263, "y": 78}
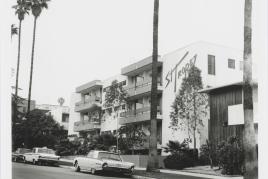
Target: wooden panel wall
{"x": 218, "y": 124}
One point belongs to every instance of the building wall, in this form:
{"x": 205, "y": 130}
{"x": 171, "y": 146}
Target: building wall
{"x": 221, "y": 128}
{"x": 57, "y": 112}
{"x": 196, "y": 54}
{"x": 74, "y": 116}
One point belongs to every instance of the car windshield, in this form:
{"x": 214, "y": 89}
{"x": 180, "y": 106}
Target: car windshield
{"x": 109, "y": 156}
{"x": 46, "y": 151}
{"x": 23, "y": 151}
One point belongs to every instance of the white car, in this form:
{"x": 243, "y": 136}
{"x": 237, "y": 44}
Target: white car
{"x": 41, "y": 156}
{"x": 102, "y": 161}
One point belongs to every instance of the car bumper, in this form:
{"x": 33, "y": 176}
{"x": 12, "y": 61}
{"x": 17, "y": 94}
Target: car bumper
{"x": 118, "y": 170}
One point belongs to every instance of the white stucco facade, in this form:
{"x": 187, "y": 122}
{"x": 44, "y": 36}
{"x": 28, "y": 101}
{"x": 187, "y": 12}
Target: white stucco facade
{"x": 74, "y": 116}
{"x": 196, "y": 54}
{"x": 59, "y": 113}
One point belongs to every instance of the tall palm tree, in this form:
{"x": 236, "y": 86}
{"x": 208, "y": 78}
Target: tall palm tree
{"x": 251, "y": 161}
{"x": 37, "y": 6}
{"x": 21, "y": 8}
{"x": 152, "y": 165}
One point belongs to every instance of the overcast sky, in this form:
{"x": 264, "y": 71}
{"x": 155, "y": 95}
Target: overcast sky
{"x": 79, "y": 41}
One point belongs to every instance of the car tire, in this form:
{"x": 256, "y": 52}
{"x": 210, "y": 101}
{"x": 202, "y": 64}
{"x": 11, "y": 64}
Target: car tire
{"x": 93, "y": 171}
{"x": 34, "y": 162}
{"x": 76, "y": 167}
{"x": 15, "y": 159}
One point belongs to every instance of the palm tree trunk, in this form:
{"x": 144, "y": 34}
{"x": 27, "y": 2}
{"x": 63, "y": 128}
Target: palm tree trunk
{"x": 152, "y": 165}
{"x": 250, "y": 153}
{"x": 17, "y": 74}
{"x": 18, "y": 62}
{"x": 31, "y": 72}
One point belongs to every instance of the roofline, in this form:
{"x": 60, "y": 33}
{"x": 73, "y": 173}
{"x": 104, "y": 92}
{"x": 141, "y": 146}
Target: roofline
{"x": 239, "y": 83}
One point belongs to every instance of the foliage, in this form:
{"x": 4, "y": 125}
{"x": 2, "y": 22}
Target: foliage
{"x": 131, "y": 136}
{"x": 66, "y": 147}
{"x": 230, "y": 156}
{"x": 21, "y": 8}
{"x": 37, "y": 6}
{"x": 175, "y": 146}
{"x": 14, "y": 30}
{"x": 115, "y": 96}
{"x": 42, "y": 130}
{"x": 189, "y": 108}
{"x": 181, "y": 156}
{"x": 208, "y": 154}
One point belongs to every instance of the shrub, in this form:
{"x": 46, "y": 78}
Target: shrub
{"x": 180, "y": 155}
{"x": 208, "y": 155}
{"x": 230, "y": 156}
{"x": 179, "y": 160}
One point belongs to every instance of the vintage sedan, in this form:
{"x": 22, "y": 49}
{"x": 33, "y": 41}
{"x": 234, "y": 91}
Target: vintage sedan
{"x": 103, "y": 161}
{"x": 41, "y": 156}
{"x": 18, "y": 155}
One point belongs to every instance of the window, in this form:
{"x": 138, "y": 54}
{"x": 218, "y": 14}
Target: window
{"x": 65, "y": 117}
{"x": 241, "y": 65}
{"x": 231, "y": 63}
{"x": 123, "y": 107}
{"x": 211, "y": 65}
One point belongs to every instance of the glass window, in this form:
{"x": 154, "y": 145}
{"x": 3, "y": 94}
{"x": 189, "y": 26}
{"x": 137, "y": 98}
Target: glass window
{"x": 231, "y": 63}
{"x": 109, "y": 156}
{"x": 211, "y": 65}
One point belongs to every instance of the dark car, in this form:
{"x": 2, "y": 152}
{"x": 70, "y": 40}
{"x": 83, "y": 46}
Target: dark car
{"x": 18, "y": 154}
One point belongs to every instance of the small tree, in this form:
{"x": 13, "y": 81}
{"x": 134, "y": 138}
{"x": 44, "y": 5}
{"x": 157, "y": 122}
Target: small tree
{"x": 131, "y": 136}
{"x": 190, "y": 107}
{"x": 115, "y": 97}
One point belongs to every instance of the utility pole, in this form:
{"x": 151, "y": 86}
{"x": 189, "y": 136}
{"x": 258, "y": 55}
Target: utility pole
{"x": 152, "y": 165}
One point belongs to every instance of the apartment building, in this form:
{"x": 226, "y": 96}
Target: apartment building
{"x": 139, "y": 80}
{"x": 219, "y": 65}
{"x": 89, "y": 108}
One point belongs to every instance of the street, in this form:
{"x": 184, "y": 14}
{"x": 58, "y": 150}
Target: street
{"x": 28, "y": 171}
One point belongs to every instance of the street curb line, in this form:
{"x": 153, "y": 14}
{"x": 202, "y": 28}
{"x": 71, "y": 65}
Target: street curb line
{"x": 65, "y": 166}
{"x": 141, "y": 177}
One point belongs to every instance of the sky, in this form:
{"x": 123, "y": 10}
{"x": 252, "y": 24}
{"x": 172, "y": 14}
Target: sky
{"x": 77, "y": 42}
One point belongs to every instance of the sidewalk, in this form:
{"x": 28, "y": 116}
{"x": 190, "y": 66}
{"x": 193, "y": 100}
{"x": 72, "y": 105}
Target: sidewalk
{"x": 139, "y": 173}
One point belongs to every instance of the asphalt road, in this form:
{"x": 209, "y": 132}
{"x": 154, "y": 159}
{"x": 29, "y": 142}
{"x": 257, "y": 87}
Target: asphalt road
{"x": 28, "y": 171}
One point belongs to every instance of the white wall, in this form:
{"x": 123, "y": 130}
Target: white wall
{"x": 74, "y": 116}
{"x": 223, "y": 75}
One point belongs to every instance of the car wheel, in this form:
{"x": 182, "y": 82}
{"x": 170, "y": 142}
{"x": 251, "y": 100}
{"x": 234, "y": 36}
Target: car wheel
{"x": 34, "y": 162}
{"x": 76, "y": 166}
{"x": 15, "y": 159}
{"x": 24, "y": 161}
{"x": 93, "y": 171}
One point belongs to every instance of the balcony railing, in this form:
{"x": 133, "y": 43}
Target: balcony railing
{"x": 142, "y": 87}
{"x": 86, "y": 125}
{"x": 138, "y": 115}
{"x": 88, "y": 104}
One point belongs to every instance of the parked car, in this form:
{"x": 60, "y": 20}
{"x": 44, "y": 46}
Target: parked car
{"x": 41, "y": 156}
{"x": 18, "y": 154}
{"x": 102, "y": 161}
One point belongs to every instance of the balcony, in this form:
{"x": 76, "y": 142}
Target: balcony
{"x": 142, "y": 88}
{"x": 83, "y": 89}
{"x": 86, "y": 126}
{"x": 138, "y": 115}
{"x": 88, "y": 105}
{"x": 139, "y": 66}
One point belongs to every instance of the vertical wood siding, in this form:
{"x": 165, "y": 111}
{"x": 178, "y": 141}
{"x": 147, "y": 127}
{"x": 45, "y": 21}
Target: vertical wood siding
{"x": 218, "y": 124}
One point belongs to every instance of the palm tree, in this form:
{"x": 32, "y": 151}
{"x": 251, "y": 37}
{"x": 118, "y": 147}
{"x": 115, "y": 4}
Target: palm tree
{"x": 21, "y": 8}
{"x": 152, "y": 165}
{"x": 37, "y": 7}
{"x": 14, "y": 30}
{"x": 251, "y": 162}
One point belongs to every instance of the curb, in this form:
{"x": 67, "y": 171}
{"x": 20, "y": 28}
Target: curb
{"x": 65, "y": 166}
{"x": 141, "y": 177}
